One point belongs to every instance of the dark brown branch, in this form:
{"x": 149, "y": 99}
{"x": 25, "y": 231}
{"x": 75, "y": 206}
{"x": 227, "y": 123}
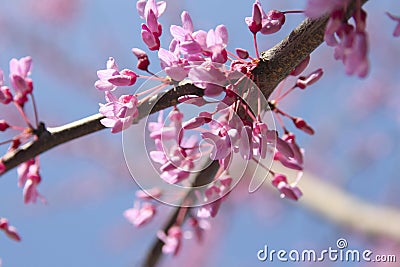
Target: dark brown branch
{"x": 52, "y": 137}
{"x": 154, "y": 254}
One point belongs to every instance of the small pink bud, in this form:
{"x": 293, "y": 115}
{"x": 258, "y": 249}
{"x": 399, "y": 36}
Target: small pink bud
{"x": 242, "y": 53}
{"x": 12, "y": 233}
{"x": 3, "y": 125}
{"x": 143, "y": 59}
{"x": 304, "y": 81}
{"x": 302, "y": 125}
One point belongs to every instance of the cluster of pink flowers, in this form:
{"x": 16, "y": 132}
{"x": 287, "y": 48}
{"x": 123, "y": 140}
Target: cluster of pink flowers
{"x": 196, "y": 56}
{"x": 350, "y": 42}
{"x": 28, "y": 172}
{"x": 119, "y": 112}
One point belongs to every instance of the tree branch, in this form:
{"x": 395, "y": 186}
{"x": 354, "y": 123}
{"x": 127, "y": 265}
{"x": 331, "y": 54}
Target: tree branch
{"x": 52, "y": 137}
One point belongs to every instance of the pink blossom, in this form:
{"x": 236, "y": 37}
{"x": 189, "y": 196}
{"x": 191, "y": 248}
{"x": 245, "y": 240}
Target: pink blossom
{"x": 19, "y": 72}
{"x": 317, "y": 8}
{"x": 9, "y": 230}
{"x": 254, "y": 22}
{"x": 294, "y": 161}
{"x": 208, "y": 77}
{"x": 396, "y": 32}
{"x": 151, "y": 40}
{"x": 221, "y": 145}
{"x": 120, "y": 113}
{"x": 265, "y": 23}
{"x": 172, "y": 241}
{"x": 23, "y": 170}
{"x": 29, "y": 177}
{"x": 143, "y": 59}
{"x": 111, "y": 78}
{"x": 273, "y": 22}
{"x": 204, "y": 117}
{"x": 215, "y": 44}
{"x": 355, "y": 60}
{"x": 157, "y": 8}
{"x": 304, "y": 81}
{"x": 199, "y": 225}
{"x": 185, "y": 38}
{"x": 287, "y": 190}
{"x": 158, "y": 130}
{"x": 140, "y": 215}
{"x": 173, "y": 66}
{"x": 334, "y": 24}
{"x": 5, "y": 94}
{"x": 215, "y": 194}
{"x": 177, "y": 160}
{"x": 152, "y": 30}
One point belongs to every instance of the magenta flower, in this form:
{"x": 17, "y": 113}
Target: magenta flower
{"x": 174, "y": 67}
{"x": 254, "y": 22}
{"x": 19, "y": 72}
{"x": 157, "y": 8}
{"x": 158, "y": 130}
{"x": 272, "y": 22}
{"x": 140, "y": 215}
{"x": 221, "y": 145}
{"x": 172, "y": 241}
{"x": 9, "y": 230}
{"x": 208, "y": 77}
{"x": 152, "y": 30}
{"x": 216, "y": 43}
{"x": 304, "y": 81}
{"x": 215, "y": 194}
{"x": 184, "y": 38}
{"x": 287, "y": 190}
{"x": 150, "y": 39}
{"x": 396, "y": 32}
{"x": 29, "y": 177}
{"x": 356, "y": 61}
{"x": 111, "y": 78}
{"x": 120, "y": 113}
{"x": 265, "y": 23}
